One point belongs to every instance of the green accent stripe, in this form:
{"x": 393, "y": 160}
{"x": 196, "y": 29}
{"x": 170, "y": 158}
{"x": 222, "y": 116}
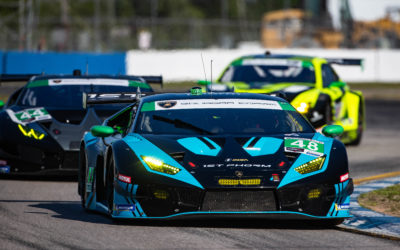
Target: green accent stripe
{"x": 148, "y": 106}
{"x": 39, "y": 83}
{"x": 286, "y": 106}
{"x": 142, "y": 85}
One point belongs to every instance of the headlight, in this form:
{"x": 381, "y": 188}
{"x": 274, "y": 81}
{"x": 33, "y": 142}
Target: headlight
{"x": 303, "y": 108}
{"x": 311, "y": 166}
{"x": 160, "y": 166}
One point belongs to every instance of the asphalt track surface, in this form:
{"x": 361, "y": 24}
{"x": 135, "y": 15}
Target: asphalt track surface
{"x": 47, "y": 214}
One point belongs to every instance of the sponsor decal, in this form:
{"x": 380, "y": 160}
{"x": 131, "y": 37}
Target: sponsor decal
{"x": 236, "y": 165}
{"x": 275, "y": 178}
{"x": 342, "y": 206}
{"x": 127, "y": 207}
{"x": 89, "y": 187}
{"x": 213, "y": 104}
{"x": 89, "y": 183}
{"x": 302, "y": 145}
{"x": 124, "y": 178}
{"x": 99, "y": 81}
{"x": 235, "y": 160}
{"x": 344, "y": 177}
{"x": 239, "y": 173}
{"x": 5, "y": 169}
{"x": 272, "y": 62}
{"x": 28, "y": 115}
{"x": 90, "y": 175}
{"x": 166, "y": 104}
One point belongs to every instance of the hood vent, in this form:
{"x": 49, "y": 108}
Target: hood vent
{"x": 291, "y": 156}
{"x": 178, "y": 156}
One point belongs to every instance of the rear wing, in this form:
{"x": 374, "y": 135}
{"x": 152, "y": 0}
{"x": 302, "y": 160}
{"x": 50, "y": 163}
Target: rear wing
{"x": 153, "y": 79}
{"x": 15, "y": 77}
{"x": 111, "y": 98}
{"x": 26, "y": 77}
{"x": 347, "y": 62}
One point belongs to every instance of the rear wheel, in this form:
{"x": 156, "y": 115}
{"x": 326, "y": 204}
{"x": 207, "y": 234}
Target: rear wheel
{"x": 360, "y": 126}
{"x": 328, "y": 114}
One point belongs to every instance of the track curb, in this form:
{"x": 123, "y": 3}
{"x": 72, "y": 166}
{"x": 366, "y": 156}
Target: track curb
{"x": 366, "y": 221}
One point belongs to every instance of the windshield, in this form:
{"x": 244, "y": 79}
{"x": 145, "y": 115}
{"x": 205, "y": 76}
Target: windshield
{"x": 66, "y": 96}
{"x": 229, "y": 118}
{"x": 270, "y": 74}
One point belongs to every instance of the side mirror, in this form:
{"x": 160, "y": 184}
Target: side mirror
{"x": 1, "y": 104}
{"x": 203, "y": 82}
{"x": 337, "y": 84}
{"x": 102, "y": 131}
{"x": 332, "y": 130}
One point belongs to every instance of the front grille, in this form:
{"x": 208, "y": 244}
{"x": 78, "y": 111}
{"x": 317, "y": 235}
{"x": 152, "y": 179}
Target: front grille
{"x": 188, "y": 197}
{"x": 239, "y": 201}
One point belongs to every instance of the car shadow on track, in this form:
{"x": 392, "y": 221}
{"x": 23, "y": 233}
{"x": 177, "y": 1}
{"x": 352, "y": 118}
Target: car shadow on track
{"x": 72, "y": 210}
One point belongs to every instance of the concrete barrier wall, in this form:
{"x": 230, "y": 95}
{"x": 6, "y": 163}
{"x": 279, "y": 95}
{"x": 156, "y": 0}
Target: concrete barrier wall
{"x": 181, "y": 65}
{"x": 17, "y": 63}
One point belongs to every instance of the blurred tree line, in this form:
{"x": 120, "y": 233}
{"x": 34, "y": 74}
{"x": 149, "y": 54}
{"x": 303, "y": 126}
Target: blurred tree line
{"x": 109, "y": 25}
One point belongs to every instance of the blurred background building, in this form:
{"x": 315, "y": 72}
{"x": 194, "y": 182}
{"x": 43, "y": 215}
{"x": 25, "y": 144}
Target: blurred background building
{"x": 121, "y": 25}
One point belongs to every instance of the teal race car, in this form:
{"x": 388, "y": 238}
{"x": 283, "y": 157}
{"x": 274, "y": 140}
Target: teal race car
{"x": 220, "y": 155}
{"x": 309, "y": 83}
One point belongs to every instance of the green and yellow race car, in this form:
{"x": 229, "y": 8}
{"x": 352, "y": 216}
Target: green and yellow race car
{"x": 309, "y": 83}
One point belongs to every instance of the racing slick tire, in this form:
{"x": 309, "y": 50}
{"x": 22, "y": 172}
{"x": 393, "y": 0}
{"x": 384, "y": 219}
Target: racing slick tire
{"x": 82, "y": 176}
{"x": 360, "y": 127}
{"x": 110, "y": 184}
{"x": 328, "y": 114}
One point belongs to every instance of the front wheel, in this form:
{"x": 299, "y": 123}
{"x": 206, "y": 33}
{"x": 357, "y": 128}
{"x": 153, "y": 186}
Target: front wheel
{"x": 82, "y": 177}
{"x": 110, "y": 185}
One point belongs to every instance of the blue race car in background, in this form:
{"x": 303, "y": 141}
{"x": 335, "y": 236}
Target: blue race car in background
{"x": 43, "y": 122}
{"x": 213, "y": 155}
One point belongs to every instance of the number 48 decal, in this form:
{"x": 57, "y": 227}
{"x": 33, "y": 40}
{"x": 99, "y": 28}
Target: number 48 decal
{"x": 305, "y": 144}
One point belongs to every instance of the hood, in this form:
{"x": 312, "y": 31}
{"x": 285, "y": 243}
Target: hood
{"x": 211, "y": 159}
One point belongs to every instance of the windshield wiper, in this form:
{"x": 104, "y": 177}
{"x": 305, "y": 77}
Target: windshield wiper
{"x": 181, "y": 124}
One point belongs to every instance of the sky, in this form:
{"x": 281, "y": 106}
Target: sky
{"x": 363, "y": 10}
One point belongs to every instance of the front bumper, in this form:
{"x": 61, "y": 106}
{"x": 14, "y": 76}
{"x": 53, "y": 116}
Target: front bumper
{"x": 30, "y": 160}
{"x": 319, "y": 201}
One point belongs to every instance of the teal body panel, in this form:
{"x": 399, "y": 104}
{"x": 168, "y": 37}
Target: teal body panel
{"x": 196, "y": 146}
{"x": 142, "y": 147}
{"x": 264, "y": 146}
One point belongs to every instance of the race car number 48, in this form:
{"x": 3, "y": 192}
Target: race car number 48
{"x": 304, "y": 145}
